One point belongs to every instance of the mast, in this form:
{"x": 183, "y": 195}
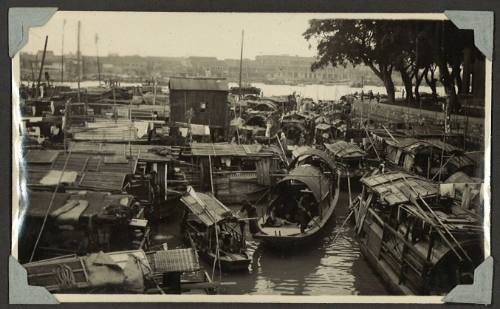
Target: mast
{"x": 241, "y": 68}
{"x": 97, "y": 55}
{"x": 41, "y": 66}
{"x": 62, "y": 53}
{"x": 241, "y": 59}
{"x": 79, "y": 68}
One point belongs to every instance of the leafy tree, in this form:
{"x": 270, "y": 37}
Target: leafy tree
{"x": 368, "y": 42}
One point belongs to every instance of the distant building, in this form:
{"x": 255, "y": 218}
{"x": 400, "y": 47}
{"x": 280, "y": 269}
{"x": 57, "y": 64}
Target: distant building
{"x": 208, "y": 99}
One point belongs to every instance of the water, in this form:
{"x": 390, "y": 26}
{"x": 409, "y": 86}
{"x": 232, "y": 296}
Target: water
{"x": 327, "y": 267}
{"x": 314, "y": 91}
{"x": 328, "y": 92}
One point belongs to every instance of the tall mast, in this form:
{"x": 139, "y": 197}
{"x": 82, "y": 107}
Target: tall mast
{"x": 62, "y": 53}
{"x": 97, "y": 54}
{"x": 79, "y": 68}
{"x": 241, "y": 59}
{"x": 41, "y": 66}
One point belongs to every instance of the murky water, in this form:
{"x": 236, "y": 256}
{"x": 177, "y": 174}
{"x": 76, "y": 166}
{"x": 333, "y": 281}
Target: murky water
{"x": 332, "y": 266}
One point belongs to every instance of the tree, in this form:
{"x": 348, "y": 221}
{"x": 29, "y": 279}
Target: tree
{"x": 441, "y": 47}
{"x": 368, "y": 42}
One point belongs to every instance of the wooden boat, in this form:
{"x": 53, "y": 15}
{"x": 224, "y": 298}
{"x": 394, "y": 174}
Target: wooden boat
{"x": 233, "y": 172}
{"x": 350, "y": 156}
{"x": 173, "y": 271}
{"x": 432, "y": 159}
{"x": 80, "y": 223}
{"x": 301, "y": 203}
{"x": 419, "y": 241}
{"x": 217, "y": 235}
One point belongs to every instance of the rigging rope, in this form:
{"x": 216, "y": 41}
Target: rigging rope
{"x": 50, "y": 206}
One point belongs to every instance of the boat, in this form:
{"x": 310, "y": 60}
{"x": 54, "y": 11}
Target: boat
{"x": 217, "y": 234}
{"x": 81, "y": 222}
{"x": 173, "y": 271}
{"x": 429, "y": 158}
{"x": 301, "y": 204}
{"x": 350, "y": 156}
{"x": 234, "y": 172}
{"x": 420, "y": 240}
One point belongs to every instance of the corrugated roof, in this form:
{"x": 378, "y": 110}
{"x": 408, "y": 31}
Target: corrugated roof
{"x": 394, "y": 187}
{"x": 343, "y": 149}
{"x": 177, "y": 83}
{"x": 205, "y": 207}
{"x": 228, "y": 150}
{"x": 102, "y": 181}
{"x": 36, "y": 156}
{"x": 312, "y": 177}
{"x": 153, "y": 153}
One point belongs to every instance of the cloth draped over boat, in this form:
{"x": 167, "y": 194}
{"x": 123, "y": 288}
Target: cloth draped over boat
{"x": 77, "y": 208}
{"x": 206, "y": 207}
{"x": 127, "y": 271}
{"x": 196, "y": 130}
{"x": 397, "y": 187}
{"x": 310, "y": 176}
{"x": 343, "y": 149}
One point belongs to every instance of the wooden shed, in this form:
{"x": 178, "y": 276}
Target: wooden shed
{"x": 206, "y": 97}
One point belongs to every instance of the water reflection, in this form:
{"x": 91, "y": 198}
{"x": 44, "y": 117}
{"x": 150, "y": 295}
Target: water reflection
{"x": 324, "y": 268}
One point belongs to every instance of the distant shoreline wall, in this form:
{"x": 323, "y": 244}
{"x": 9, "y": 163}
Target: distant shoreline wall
{"x": 381, "y": 112}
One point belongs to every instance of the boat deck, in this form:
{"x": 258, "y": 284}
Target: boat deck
{"x": 287, "y": 230}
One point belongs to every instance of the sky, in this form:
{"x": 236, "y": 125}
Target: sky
{"x": 175, "y": 34}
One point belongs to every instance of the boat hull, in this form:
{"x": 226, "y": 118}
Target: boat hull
{"x": 301, "y": 239}
{"x": 235, "y": 263}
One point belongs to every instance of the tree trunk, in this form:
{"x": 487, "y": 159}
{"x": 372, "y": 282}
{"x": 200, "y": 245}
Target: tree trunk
{"x": 405, "y": 77}
{"x": 448, "y": 82}
{"x": 418, "y": 81}
{"x": 389, "y": 86}
{"x": 431, "y": 82}
{"x": 385, "y": 74}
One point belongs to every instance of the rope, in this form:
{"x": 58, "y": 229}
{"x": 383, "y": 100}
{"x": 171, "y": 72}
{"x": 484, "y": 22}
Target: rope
{"x": 342, "y": 225}
{"x": 50, "y": 206}
{"x": 65, "y": 276}
{"x": 441, "y": 224}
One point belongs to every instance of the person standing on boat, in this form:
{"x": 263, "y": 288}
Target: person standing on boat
{"x": 283, "y": 142}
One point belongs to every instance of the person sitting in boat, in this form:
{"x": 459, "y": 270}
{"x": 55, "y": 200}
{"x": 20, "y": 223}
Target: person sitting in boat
{"x": 302, "y": 215}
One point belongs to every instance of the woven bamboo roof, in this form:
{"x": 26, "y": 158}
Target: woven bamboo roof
{"x": 394, "y": 187}
{"x": 343, "y": 149}
{"x": 205, "y": 207}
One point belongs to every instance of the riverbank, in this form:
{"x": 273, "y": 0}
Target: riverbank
{"x": 472, "y": 128}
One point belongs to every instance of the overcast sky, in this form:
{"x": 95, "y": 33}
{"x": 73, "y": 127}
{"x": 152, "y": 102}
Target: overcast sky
{"x": 176, "y": 34}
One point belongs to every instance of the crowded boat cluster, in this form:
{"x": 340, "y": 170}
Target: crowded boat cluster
{"x": 105, "y": 167}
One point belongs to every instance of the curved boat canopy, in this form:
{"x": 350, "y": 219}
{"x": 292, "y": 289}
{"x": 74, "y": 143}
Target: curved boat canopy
{"x": 310, "y": 176}
{"x": 305, "y": 151}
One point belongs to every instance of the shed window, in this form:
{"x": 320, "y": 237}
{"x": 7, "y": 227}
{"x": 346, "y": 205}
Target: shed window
{"x": 203, "y": 106}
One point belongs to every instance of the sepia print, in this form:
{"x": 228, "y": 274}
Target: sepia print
{"x": 251, "y": 154}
